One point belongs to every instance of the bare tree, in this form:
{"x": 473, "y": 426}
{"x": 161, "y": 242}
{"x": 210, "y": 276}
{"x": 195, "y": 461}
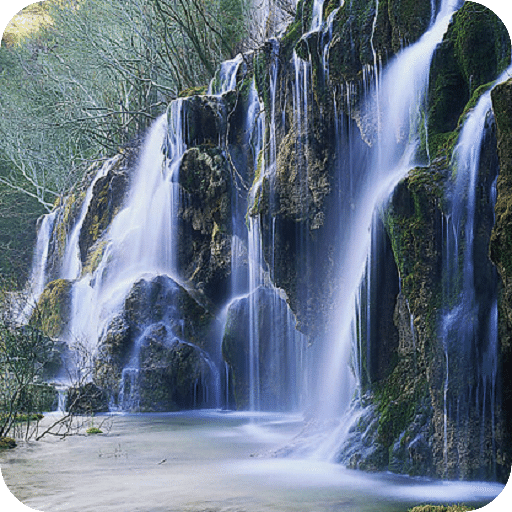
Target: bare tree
{"x": 30, "y": 365}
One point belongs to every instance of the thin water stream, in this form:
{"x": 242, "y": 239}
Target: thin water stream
{"x": 207, "y": 461}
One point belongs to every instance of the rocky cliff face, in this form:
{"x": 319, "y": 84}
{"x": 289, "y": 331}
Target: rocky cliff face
{"x": 277, "y": 158}
{"x": 500, "y": 253}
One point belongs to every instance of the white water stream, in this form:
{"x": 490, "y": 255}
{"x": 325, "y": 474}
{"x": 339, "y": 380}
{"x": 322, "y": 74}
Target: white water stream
{"x": 399, "y": 100}
{"x": 141, "y": 238}
{"x": 470, "y": 321}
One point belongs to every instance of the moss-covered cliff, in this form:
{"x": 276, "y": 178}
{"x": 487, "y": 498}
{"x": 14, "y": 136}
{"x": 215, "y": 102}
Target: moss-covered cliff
{"x": 501, "y": 250}
{"x": 286, "y": 165}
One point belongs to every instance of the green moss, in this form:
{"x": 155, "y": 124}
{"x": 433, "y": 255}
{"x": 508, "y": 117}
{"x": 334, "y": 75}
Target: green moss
{"x": 477, "y": 94}
{"x": 409, "y": 20}
{"x": 399, "y": 399}
{"x": 409, "y": 221}
{"x": 441, "y": 144}
{"x": 329, "y": 7}
{"x": 64, "y": 222}
{"x": 7, "y": 443}
{"x": 291, "y": 37}
{"x": 474, "y": 51}
{"x": 481, "y": 43}
{"x": 261, "y": 74}
{"x": 193, "y": 91}
{"x": 94, "y": 257}
{"x": 52, "y": 312}
{"x": 501, "y": 241}
{"x": 93, "y": 430}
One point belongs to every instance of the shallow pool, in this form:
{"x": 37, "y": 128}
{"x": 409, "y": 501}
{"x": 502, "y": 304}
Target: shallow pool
{"x": 207, "y": 461}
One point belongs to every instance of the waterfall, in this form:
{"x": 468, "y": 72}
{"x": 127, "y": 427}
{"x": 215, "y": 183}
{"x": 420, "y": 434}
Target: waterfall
{"x": 141, "y": 237}
{"x": 274, "y": 347}
{"x": 72, "y": 265}
{"x": 399, "y": 99}
{"x": 225, "y": 78}
{"x": 38, "y": 277}
{"x": 469, "y": 320}
{"x": 318, "y": 14}
{"x": 258, "y": 359}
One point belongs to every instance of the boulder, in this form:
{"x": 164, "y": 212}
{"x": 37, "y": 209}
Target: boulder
{"x": 170, "y": 375}
{"x": 260, "y": 332}
{"x": 157, "y": 313}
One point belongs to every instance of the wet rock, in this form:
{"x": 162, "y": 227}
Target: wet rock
{"x": 501, "y": 255}
{"x": 157, "y": 301}
{"x": 260, "y": 327}
{"x": 52, "y": 313}
{"x": 172, "y": 375}
{"x": 474, "y": 51}
{"x": 205, "y": 225}
{"x": 206, "y": 118}
{"x": 87, "y": 399}
{"x": 107, "y": 199}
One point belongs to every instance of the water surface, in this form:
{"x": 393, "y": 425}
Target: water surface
{"x": 207, "y": 461}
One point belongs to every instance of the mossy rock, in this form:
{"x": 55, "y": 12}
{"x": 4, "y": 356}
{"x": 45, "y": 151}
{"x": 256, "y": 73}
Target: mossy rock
{"x": 161, "y": 299}
{"x": 107, "y": 199}
{"x": 7, "y": 443}
{"x": 276, "y": 344}
{"x": 53, "y": 308}
{"x": 206, "y": 118}
{"x": 205, "y": 221}
{"x": 359, "y": 30}
{"x": 172, "y": 375}
{"x": 157, "y": 309}
{"x": 501, "y": 243}
{"x": 193, "y": 91}
{"x": 481, "y": 43}
{"x": 408, "y": 19}
{"x": 474, "y": 51}
{"x": 413, "y": 220}
{"x": 501, "y": 255}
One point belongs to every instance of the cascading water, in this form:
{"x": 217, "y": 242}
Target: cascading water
{"x": 274, "y": 347}
{"x": 38, "y": 278}
{"x": 398, "y": 97}
{"x": 71, "y": 265}
{"x": 469, "y": 322}
{"x": 378, "y": 127}
{"x": 141, "y": 237}
{"x": 318, "y": 14}
{"x": 225, "y": 78}
{"x": 401, "y": 99}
